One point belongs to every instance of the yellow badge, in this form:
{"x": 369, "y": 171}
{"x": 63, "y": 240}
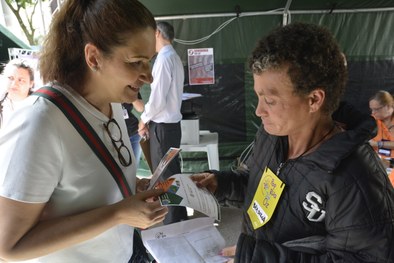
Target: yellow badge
{"x": 265, "y": 199}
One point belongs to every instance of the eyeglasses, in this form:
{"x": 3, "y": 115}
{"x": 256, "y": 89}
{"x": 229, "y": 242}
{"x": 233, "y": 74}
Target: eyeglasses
{"x": 115, "y": 133}
{"x": 376, "y": 109}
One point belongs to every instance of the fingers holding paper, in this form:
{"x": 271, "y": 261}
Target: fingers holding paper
{"x": 229, "y": 252}
{"x": 207, "y": 180}
{"x": 140, "y": 211}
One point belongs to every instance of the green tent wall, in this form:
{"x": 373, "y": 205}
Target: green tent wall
{"x": 363, "y": 29}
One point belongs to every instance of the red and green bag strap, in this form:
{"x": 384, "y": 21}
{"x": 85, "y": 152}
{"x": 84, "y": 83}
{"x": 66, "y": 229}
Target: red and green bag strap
{"x": 87, "y": 133}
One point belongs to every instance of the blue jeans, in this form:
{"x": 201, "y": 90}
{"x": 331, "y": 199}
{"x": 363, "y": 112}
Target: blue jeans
{"x": 135, "y": 144}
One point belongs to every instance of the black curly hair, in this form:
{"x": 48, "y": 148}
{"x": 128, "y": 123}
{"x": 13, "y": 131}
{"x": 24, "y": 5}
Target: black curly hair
{"x": 313, "y": 58}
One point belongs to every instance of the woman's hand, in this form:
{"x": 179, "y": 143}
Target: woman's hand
{"x": 143, "y": 130}
{"x": 24, "y": 235}
{"x": 207, "y": 180}
{"x": 229, "y": 252}
{"x": 137, "y": 211}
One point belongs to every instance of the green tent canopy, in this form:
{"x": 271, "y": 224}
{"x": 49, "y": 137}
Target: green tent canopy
{"x": 363, "y": 28}
{"x": 173, "y": 8}
{"x": 9, "y": 40}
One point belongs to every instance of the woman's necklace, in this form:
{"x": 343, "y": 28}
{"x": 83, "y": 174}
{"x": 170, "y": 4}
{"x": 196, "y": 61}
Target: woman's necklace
{"x": 282, "y": 164}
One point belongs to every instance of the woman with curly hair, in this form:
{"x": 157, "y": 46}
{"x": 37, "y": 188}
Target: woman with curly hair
{"x": 313, "y": 190}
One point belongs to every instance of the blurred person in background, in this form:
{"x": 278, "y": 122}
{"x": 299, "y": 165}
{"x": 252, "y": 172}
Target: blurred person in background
{"x": 161, "y": 119}
{"x": 132, "y": 125}
{"x": 17, "y": 82}
{"x": 382, "y": 109}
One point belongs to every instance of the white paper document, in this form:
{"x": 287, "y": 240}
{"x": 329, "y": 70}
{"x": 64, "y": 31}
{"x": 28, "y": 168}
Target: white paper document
{"x": 182, "y": 191}
{"x": 192, "y": 241}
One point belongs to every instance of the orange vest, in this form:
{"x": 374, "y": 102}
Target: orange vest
{"x": 391, "y": 177}
{"x": 383, "y": 135}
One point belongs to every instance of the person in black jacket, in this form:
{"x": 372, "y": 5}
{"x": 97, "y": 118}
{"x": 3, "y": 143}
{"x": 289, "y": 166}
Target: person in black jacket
{"x": 314, "y": 190}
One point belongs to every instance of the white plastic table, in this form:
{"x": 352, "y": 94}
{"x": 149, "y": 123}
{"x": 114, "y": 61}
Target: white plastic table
{"x": 209, "y": 144}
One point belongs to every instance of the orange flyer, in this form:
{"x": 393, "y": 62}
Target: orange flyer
{"x": 165, "y": 185}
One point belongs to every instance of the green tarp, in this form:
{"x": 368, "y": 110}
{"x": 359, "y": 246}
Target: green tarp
{"x": 9, "y": 40}
{"x": 364, "y": 30}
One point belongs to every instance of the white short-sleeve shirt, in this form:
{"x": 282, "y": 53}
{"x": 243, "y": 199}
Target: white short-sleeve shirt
{"x": 43, "y": 159}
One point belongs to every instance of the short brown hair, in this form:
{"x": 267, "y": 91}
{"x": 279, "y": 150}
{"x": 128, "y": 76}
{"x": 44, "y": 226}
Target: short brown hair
{"x": 312, "y": 56}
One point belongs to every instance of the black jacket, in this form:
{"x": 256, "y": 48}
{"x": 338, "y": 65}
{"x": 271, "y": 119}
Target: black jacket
{"x": 350, "y": 207}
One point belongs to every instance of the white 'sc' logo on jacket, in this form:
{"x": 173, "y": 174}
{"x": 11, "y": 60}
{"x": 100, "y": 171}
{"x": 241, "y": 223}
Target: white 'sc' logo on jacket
{"x": 313, "y": 206}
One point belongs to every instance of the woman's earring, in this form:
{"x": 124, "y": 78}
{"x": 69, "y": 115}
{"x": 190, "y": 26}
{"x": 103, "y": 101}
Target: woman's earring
{"x": 94, "y": 68}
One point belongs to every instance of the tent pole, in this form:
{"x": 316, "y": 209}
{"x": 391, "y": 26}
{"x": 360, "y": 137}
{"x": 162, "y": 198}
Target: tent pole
{"x": 276, "y": 12}
{"x": 195, "y": 16}
{"x": 286, "y": 14}
{"x": 341, "y": 11}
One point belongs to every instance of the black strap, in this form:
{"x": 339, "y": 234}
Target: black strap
{"x": 88, "y": 133}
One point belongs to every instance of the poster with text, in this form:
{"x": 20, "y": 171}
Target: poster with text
{"x": 201, "y": 66}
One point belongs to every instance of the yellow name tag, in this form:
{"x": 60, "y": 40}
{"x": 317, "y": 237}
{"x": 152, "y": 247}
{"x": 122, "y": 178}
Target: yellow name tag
{"x": 265, "y": 199}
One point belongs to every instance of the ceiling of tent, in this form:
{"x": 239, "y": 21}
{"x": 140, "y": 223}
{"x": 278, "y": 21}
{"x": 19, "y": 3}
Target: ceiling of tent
{"x": 8, "y": 40}
{"x": 187, "y": 7}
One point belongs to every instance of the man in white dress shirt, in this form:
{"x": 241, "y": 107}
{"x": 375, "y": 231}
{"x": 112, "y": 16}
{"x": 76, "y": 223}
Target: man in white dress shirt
{"x": 161, "y": 118}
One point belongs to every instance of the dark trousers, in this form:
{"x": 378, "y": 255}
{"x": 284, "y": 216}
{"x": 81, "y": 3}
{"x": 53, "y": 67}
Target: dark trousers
{"x": 163, "y": 136}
